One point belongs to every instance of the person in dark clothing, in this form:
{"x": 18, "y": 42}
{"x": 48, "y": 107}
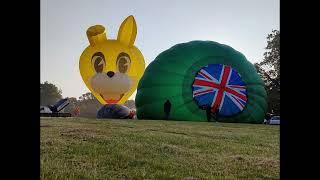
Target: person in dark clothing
{"x": 216, "y": 115}
{"x": 267, "y": 118}
{"x": 167, "y": 109}
{"x": 208, "y": 112}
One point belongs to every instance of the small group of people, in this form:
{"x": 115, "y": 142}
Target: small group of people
{"x": 208, "y": 109}
{"x": 211, "y": 114}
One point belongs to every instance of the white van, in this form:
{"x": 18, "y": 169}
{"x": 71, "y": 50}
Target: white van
{"x": 275, "y": 120}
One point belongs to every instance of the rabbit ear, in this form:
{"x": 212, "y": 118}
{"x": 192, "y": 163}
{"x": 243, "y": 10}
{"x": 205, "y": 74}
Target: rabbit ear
{"x": 128, "y": 31}
{"x": 96, "y": 34}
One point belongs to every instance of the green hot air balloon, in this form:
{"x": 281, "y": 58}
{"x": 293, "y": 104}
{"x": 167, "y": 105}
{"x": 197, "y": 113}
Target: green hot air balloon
{"x": 199, "y": 73}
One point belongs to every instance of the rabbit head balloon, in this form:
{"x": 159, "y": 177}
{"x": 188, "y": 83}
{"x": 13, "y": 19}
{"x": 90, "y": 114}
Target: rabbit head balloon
{"x": 112, "y": 68}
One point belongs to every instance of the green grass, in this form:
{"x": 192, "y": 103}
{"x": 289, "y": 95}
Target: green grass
{"x": 79, "y": 148}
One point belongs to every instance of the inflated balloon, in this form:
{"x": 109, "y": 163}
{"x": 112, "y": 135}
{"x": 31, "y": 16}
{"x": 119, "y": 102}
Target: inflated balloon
{"x": 111, "y": 68}
{"x": 197, "y": 75}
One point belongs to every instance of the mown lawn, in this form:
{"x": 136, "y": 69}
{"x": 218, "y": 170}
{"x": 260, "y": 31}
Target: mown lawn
{"x": 80, "y": 148}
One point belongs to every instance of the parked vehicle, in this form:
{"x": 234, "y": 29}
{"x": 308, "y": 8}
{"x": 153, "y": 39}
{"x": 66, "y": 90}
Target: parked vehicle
{"x": 275, "y": 120}
{"x": 54, "y": 110}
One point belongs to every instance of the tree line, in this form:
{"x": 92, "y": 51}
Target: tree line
{"x": 87, "y": 103}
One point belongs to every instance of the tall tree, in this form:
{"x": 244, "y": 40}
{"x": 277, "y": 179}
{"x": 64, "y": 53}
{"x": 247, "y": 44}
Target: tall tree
{"x": 49, "y": 94}
{"x": 89, "y": 105}
{"x": 269, "y": 70}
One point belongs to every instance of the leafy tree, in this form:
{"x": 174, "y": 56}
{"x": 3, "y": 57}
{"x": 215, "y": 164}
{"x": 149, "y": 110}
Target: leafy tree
{"x": 269, "y": 70}
{"x": 89, "y": 105}
{"x": 49, "y": 94}
{"x": 130, "y": 104}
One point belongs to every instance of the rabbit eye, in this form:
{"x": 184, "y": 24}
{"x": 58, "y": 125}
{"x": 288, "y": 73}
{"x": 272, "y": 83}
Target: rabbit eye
{"x": 98, "y": 62}
{"x": 123, "y": 62}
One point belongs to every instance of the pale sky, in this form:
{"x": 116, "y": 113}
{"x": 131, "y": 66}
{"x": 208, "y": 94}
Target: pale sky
{"x": 241, "y": 24}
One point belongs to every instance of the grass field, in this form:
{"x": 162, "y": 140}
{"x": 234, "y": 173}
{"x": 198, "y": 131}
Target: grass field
{"x": 79, "y": 148}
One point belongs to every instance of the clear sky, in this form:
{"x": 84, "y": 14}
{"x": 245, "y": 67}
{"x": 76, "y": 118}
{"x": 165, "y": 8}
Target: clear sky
{"x": 241, "y": 24}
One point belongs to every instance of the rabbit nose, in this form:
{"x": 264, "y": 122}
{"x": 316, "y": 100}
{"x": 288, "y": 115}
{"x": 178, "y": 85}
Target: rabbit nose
{"x": 110, "y": 74}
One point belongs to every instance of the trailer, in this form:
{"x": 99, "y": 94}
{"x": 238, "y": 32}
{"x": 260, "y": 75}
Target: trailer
{"x": 55, "y": 114}
{"x": 54, "y": 110}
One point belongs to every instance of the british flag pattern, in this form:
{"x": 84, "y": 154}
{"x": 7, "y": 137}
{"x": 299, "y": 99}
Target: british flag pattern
{"x": 221, "y": 88}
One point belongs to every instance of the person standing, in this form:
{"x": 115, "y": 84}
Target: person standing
{"x": 76, "y": 111}
{"x": 167, "y": 109}
{"x": 208, "y": 112}
{"x": 215, "y": 114}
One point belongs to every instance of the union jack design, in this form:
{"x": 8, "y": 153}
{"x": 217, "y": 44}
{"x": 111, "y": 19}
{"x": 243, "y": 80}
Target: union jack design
{"x": 220, "y": 87}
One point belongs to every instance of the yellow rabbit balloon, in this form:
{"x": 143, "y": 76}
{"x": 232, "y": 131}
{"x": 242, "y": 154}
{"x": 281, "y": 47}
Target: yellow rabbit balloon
{"x": 112, "y": 68}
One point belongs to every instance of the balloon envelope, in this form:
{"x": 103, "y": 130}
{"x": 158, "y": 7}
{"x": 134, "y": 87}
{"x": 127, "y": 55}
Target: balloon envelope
{"x": 172, "y": 74}
{"x": 114, "y": 111}
{"x": 221, "y": 88}
{"x": 112, "y": 68}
